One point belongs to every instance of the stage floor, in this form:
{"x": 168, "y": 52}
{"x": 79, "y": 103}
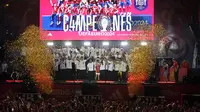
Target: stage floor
{"x": 74, "y": 81}
{"x": 110, "y": 89}
{"x": 94, "y": 81}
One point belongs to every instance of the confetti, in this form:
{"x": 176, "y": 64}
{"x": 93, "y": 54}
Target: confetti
{"x": 33, "y": 56}
{"x": 145, "y": 32}
{"x": 142, "y": 58}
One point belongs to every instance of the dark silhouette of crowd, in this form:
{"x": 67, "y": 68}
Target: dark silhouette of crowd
{"x": 136, "y": 104}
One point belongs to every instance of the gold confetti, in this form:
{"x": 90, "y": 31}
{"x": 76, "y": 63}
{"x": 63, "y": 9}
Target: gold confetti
{"x": 142, "y": 58}
{"x": 37, "y": 58}
{"x": 146, "y": 31}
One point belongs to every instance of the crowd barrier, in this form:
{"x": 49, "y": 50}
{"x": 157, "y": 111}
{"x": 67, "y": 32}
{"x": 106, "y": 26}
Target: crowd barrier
{"x": 29, "y": 96}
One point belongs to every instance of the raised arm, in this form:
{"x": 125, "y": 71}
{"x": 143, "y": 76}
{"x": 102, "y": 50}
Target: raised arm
{"x": 51, "y": 2}
{"x": 88, "y": 58}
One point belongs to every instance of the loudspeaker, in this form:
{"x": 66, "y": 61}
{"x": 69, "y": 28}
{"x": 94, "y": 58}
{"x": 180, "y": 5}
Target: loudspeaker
{"x": 151, "y": 90}
{"x": 194, "y": 76}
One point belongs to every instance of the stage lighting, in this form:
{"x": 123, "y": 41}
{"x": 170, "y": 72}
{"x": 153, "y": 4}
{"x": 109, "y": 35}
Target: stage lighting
{"x": 6, "y": 5}
{"x": 68, "y": 43}
{"x": 50, "y": 43}
{"x": 86, "y": 43}
{"x": 105, "y": 43}
{"x": 124, "y": 43}
{"x": 143, "y": 43}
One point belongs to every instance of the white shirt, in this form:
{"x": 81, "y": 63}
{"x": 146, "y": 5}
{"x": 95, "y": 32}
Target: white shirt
{"x": 74, "y": 55}
{"x": 77, "y": 64}
{"x": 117, "y": 66}
{"x": 82, "y": 49}
{"x": 64, "y": 50}
{"x": 62, "y": 65}
{"x": 87, "y": 52}
{"x": 118, "y": 56}
{"x": 103, "y": 66}
{"x": 112, "y": 50}
{"x": 127, "y": 57}
{"x": 110, "y": 66}
{"x": 98, "y": 50}
{"x": 69, "y": 50}
{"x": 92, "y": 51}
{"x": 57, "y": 56}
{"x": 69, "y": 64}
{"x": 90, "y": 66}
{"x": 117, "y": 50}
{"x": 106, "y": 56}
{"x": 78, "y": 55}
{"x": 82, "y": 65}
{"x": 56, "y": 64}
{"x": 123, "y": 66}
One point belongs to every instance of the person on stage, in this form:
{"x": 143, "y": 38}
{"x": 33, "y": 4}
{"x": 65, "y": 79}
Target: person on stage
{"x": 166, "y": 71}
{"x": 110, "y": 67}
{"x": 98, "y": 64}
{"x": 62, "y": 69}
{"x": 124, "y": 70}
{"x": 69, "y": 68}
{"x": 74, "y": 70}
{"x": 120, "y": 73}
{"x": 56, "y": 66}
{"x": 82, "y": 72}
{"x": 103, "y": 69}
{"x": 91, "y": 69}
{"x": 176, "y": 68}
{"x": 77, "y": 63}
{"x": 116, "y": 69}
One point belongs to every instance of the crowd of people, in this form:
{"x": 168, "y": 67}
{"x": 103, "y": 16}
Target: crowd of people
{"x": 89, "y": 63}
{"x": 140, "y": 104}
{"x": 87, "y": 7}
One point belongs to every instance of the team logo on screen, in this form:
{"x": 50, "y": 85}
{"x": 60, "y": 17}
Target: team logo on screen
{"x": 141, "y": 4}
{"x": 104, "y": 23}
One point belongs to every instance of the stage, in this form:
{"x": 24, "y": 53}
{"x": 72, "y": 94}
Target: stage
{"x": 108, "y": 89}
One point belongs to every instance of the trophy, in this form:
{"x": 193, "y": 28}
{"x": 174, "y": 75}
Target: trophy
{"x": 104, "y": 23}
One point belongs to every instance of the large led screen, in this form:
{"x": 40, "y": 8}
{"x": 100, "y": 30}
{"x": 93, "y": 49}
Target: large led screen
{"x": 94, "y": 20}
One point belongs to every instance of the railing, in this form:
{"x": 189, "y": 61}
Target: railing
{"x": 29, "y": 96}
